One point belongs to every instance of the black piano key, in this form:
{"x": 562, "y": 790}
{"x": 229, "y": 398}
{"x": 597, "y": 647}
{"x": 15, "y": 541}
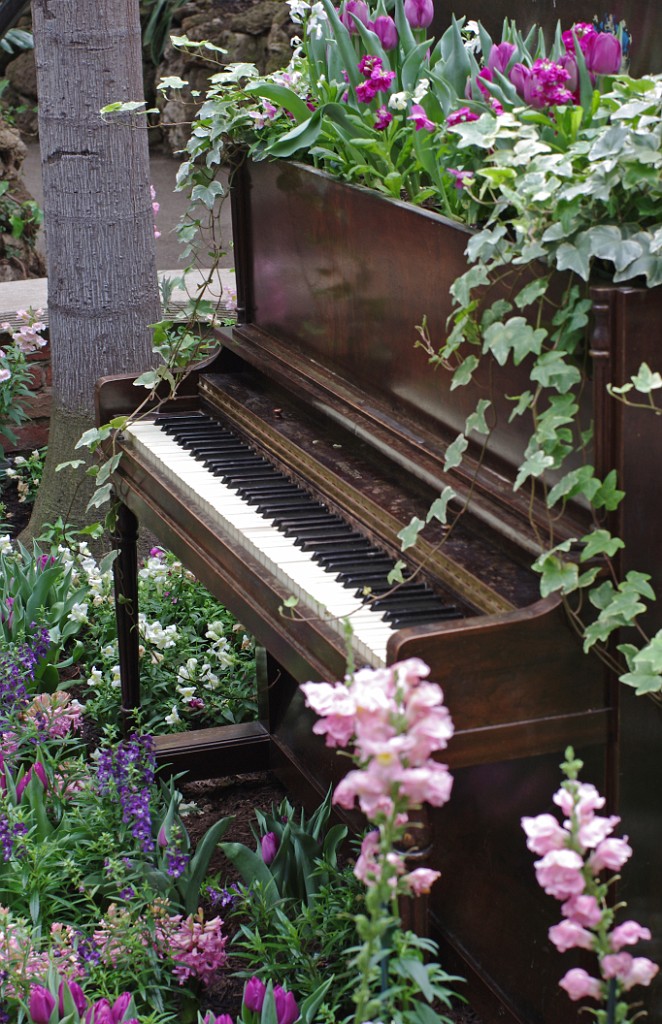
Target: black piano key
{"x": 403, "y": 618}
{"x": 285, "y": 516}
{"x": 278, "y": 506}
{"x": 307, "y": 529}
{"x": 325, "y": 531}
{"x": 267, "y": 489}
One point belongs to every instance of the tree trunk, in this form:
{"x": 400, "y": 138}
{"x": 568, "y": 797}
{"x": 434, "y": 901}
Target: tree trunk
{"x": 102, "y": 284}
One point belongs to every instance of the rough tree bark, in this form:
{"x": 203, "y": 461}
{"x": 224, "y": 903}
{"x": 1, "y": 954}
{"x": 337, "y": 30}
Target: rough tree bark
{"x": 102, "y": 283}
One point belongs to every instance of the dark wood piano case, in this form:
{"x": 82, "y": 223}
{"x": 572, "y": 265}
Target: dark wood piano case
{"x": 328, "y": 307}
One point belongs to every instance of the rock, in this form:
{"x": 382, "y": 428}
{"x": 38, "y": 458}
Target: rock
{"x": 18, "y": 257}
{"x": 21, "y": 93}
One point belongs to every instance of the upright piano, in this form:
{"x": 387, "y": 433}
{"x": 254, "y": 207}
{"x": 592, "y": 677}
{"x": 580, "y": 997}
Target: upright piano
{"x": 286, "y": 467}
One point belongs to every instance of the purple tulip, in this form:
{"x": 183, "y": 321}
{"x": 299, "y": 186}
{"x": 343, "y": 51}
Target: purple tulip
{"x": 568, "y": 61}
{"x": 287, "y": 1010}
{"x": 500, "y": 56}
{"x": 40, "y": 772}
{"x": 77, "y": 994}
{"x": 359, "y": 9}
{"x": 23, "y": 783}
{"x": 254, "y": 991}
{"x": 518, "y": 75}
{"x": 270, "y": 846}
{"x": 120, "y": 1006}
{"x": 385, "y": 30}
{"x": 419, "y": 13}
{"x": 604, "y": 54}
{"x": 40, "y": 1004}
{"x": 100, "y": 1013}
{"x": 162, "y": 838}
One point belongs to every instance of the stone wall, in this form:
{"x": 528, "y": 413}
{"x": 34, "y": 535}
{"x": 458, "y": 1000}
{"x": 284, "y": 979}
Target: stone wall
{"x": 34, "y": 433}
{"x": 18, "y": 258}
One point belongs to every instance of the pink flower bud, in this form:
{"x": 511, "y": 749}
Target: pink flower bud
{"x": 40, "y": 1004}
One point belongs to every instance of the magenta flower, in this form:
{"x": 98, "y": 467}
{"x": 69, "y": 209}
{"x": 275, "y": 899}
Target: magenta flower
{"x": 40, "y": 1004}
{"x": 287, "y": 1010}
{"x": 461, "y": 116}
{"x": 543, "y": 85}
{"x": 254, "y": 991}
{"x": 604, "y": 54}
{"x": 421, "y": 119}
{"x": 354, "y": 9}
{"x": 269, "y": 845}
{"x": 462, "y": 178}
{"x": 385, "y": 30}
{"x": 500, "y": 56}
{"x": 120, "y": 1006}
{"x": 383, "y": 119}
{"x": 366, "y": 91}
{"x": 569, "y": 63}
{"x": 100, "y": 1013}
{"x": 583, "y": 32}
{"x": 484, "y": 75}
{"x": 77, "y": 995}
{"x": 419, "y": 13}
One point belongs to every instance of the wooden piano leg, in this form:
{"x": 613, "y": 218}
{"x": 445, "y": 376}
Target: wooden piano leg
{"x": 125, "y": 570}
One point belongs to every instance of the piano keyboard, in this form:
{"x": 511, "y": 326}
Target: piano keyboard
{"x": 329, "y": 567}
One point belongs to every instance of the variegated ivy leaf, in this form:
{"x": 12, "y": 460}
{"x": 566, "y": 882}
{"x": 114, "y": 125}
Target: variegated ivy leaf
{"x": 531, "y": 292}
{"x": 454, "y": 452}
{"x": 476, "y": 420}
{"x": 577, "y": 481}
{"x": 600, "y": 542}
{"x": 646, "y": 380}
{"x": 439, "y": 507}
{"x": 409, "y": 533}
{"x": 552, "y": 370}
{"x": 515, "y": 336}
{"x": 557, "y": 575}
{"x": 464, "y": 372}
{"x": 534, "y": 465}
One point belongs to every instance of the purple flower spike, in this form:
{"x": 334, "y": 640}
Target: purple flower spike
{"x": 419, "y": 13}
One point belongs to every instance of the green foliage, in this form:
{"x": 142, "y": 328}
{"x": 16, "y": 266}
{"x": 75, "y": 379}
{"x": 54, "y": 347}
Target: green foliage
{"x": 27, "y": 472}
{"x": 305, "y": 849}
{"x": 37, "y": 588}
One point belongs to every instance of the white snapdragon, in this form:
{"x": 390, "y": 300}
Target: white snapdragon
{"x": 173, "y": 718}
{"x": 317, "y": 21}
{"x": 95, "y": 677}
{"x": 398, "y": 101}
{"x": 116, "y": 678}
{"x": 155, "y": 634}
{"x": 189, "y": 671}
{"x": 5, "y": 544}
{"x": 298, "y": 10}
{"x": 421, "y": 90}
{"x": 186, "y": 692}
{"x": 79, "y": 612}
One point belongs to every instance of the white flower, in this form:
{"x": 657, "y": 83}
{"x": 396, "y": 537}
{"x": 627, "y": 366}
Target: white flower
{"x": 95, "y": 677}
{"x": 189, "y": 671}
{"x": 116, "y": 680}
{"x": 5, "y": 544}
{"x": 421, "y": 90}
{"x": 186, "y": 691}
{"x": 173, "y": 717}
{"x": 109, "y": 651}
{"x": 317, "y": 21}
{"x": 79, "y": 612}
{"x": 398, "y": 101}
{"x": 298, "y": 10}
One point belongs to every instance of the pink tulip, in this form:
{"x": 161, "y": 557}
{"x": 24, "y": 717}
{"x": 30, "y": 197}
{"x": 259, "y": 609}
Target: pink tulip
{"x": 419, "y": 13}
{"x": 385, "y": 30}
{"x": 604, "y": 54}
{"x": 269, "y": 844}
{"x": 359, "y": 9}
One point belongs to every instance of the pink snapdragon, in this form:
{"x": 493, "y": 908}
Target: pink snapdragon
{"x": 396, "y": 721}
{"x": 574, "y": 855}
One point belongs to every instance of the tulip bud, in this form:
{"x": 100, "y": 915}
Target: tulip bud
{"x": 23, "y": 783}
{"x": 120, "y": 1006}
{"x": 604, "y": 54}
{"x": 254, "y": 991}
{"x": 359, "y": 9}
{"x": 287, "y": 1010}
{"x": 419, "y": 13}
{"x": 500, "y": 56}
{"x": 270, "y": 845}
{"x": 40, "y": 1004}
{"x": 77, "y": 994}
{"x": 40, "y": 772}
{"x": 384, "y": 28}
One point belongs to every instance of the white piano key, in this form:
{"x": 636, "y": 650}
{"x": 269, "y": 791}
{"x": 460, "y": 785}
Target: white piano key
{"x": 300, "y": 576}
